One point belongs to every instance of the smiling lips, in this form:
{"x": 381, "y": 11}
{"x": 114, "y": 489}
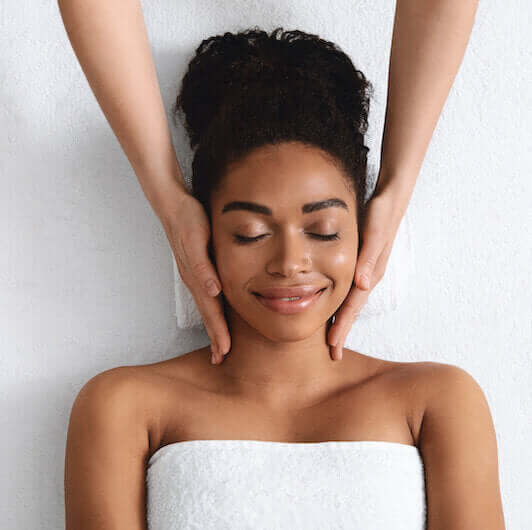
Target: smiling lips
{"x": 289, "y": 300}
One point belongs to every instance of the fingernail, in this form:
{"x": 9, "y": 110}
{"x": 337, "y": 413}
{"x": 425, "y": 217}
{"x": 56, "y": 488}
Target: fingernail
{"x": 212, "y": 288}
{"x": 364, "y": 280}
{"x": 213, "y": 361}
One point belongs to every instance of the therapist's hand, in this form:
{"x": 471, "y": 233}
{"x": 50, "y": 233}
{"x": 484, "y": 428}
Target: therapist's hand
{"x": 384, "y": 215}
{"x": 187, "y": 227}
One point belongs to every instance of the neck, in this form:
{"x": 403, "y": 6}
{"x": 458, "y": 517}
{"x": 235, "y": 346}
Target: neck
{"x": 274, "y": 371}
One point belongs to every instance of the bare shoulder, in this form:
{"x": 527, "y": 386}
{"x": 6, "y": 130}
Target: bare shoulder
{"x": 451, "y": 390}
{"x": 129, "y": 387}
{"x": 421, "y": 384}
{"x": 459, "y": 448}
{"x": 134, "y": 392}
{"x": 442, "y": 381}
{"x": 106, "y": 450}
{"x": 412, "y": 381}
{"x": 426, "y": 379}
{"x": 115, "y": 387}
{"x": 123, "y": 382}
{"x": 188, "y": 369}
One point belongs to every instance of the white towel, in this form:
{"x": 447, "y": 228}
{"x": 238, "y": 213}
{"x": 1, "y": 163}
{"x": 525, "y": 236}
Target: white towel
{"x": 254, "y": 485}
{"x": 385, "y": 296}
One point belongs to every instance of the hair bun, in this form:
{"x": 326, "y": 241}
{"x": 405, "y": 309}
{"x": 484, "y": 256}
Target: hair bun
{"x": 220, "y": 63}
{"x": 250, "y": 89}
{"x": 227, "y": 67}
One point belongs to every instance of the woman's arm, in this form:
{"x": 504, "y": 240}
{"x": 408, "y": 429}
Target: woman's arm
{"x": 428, "y": 44}
{"x": 458, "y": 444}
{"x": 110, "y": 41}
{"x": 106, "y": 453}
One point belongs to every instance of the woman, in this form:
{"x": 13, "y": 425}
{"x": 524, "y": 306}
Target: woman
{"x": 280, "y": 168}
{"x": 428, "y": 44}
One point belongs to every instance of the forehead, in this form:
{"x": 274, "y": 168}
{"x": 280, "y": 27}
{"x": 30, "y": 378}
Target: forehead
{"x": 284, "y": 176}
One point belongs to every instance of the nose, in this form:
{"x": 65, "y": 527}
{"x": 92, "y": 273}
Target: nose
{"x": 291, "y": 254}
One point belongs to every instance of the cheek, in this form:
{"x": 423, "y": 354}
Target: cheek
{"x": 342, "y": 262}
{"x": 234, "y": 264}
{"x": 341, "y": 268}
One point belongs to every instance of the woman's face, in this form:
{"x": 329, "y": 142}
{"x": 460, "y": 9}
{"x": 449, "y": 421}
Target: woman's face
{"x": 283, "y": 179}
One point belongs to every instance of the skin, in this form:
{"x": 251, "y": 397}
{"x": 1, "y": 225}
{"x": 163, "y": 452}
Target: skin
{"x": 120, "y": 417}
{"x": 281, "y": 362}
{"x": 428, "y": 44}
{"x": 279, "y": 365}
{"x": 269, "y": 349}
{"x": 279, "y": 382}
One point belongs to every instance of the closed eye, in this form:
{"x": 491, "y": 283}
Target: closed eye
{"x": 323, "y": 237}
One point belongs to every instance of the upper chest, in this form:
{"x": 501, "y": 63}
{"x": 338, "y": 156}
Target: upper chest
{"x": 386, "y": 405}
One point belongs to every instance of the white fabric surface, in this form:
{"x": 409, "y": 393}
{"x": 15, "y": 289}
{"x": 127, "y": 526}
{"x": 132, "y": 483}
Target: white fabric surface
{"x": 253, "y": 484}
{"x": 385, "y": 297}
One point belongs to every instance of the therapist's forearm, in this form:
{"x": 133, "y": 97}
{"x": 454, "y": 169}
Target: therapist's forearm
{"x": 428, "y": 44}
{"x": 110, "y": 41}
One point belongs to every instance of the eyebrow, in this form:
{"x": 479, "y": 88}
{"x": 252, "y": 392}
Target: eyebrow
{"x": 306, "y": 208}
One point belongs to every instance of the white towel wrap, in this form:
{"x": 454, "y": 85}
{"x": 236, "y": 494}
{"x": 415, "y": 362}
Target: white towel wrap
{"x": 254, "y": 485}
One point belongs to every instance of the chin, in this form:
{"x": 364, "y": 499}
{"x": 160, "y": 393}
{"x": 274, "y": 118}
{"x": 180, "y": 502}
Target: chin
{"x": 288, "y": 330}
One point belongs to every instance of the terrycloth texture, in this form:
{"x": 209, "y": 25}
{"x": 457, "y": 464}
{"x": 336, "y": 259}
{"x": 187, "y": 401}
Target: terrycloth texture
{"x": 251, "y": 484}
{"x": 385, "y": 297}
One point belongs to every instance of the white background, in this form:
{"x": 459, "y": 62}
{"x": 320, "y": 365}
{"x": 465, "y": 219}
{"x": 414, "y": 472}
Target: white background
{"x": 86, "y": 278}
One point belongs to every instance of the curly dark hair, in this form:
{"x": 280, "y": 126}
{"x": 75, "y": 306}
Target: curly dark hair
{"x": 246, "y": 90}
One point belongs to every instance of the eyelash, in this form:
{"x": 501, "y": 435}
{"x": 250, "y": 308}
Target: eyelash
{"x": 322, "y": 237}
